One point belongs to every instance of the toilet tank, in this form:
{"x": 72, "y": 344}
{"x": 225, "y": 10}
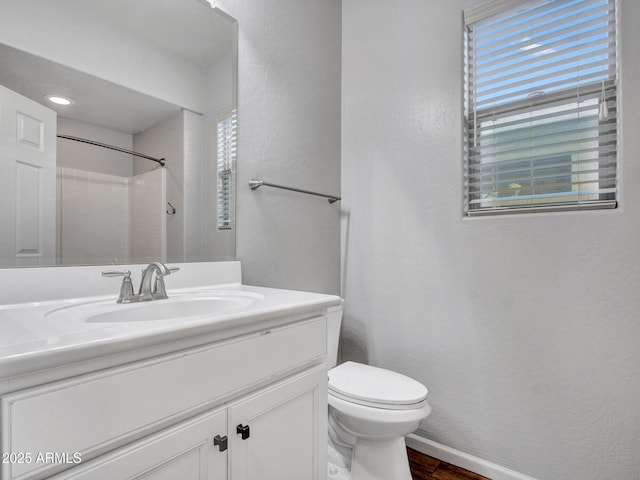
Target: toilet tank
{"x": 334, "y": 321}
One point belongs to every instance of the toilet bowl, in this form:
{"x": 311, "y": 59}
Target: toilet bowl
{"x": 371, "y": 410}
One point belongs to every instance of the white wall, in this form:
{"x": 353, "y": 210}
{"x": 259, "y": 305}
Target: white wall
{"x": 221, "y": 97}
{"x": 288, "y": 133}
{"x": 167, "y": 140}
{"x": 194, "y": 183}
{"x": 524, "y": 328}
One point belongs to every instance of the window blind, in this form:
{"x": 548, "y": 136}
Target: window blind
{"x": 540, "y": 106}
{"x": 226, "y": 163}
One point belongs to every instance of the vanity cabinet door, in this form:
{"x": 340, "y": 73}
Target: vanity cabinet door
{"x": 185, "y": 452}
{"x": 280, "y": 432}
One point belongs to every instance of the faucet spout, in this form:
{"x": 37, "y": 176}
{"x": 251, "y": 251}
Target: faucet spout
{"x": 158, "y": 292}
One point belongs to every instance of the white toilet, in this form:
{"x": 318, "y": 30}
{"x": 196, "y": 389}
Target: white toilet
{"x": 371, "y": 410}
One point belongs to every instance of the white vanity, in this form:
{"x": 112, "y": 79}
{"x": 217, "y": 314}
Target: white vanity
{"x": 197, "y": 393}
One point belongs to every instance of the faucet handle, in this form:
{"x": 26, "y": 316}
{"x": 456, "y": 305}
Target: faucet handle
{"x": 159, "y": 290}
{"x": 126, "y": 289}
{"x": 117, "y": 273}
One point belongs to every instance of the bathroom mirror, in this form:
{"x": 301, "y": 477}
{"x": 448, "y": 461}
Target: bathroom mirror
{"x": 148, "y": 77}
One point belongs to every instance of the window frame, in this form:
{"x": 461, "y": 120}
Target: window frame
{"x": 473, "y": 119}
{"x": 226, "y": 128}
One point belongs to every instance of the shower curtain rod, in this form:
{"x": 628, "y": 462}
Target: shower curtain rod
{"x": 161, "y": 161}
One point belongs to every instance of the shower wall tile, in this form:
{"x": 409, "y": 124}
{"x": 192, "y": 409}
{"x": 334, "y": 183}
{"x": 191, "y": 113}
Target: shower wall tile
{"x": 104, "y": 219}
{"x": 93, "y": 218}
{"x": 148, "y": 216}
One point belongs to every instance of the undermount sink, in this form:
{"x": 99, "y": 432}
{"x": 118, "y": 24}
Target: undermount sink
{"x": 179, "y": 307}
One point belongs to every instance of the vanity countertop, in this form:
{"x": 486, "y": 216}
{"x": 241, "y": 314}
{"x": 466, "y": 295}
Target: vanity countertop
{"x": 44, "y": 335}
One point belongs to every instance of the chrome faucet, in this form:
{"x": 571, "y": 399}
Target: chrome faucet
{"x": 158, "y": 292}
{"x": 146, "y": 292}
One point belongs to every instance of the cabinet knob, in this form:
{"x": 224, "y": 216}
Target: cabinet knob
{"x": 243, "y": 430}
{"x": 221, "y": 442}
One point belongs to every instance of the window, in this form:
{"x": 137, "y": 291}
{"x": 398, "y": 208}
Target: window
{"x": 226, "y": 163}
{"x": 540, "y": 106}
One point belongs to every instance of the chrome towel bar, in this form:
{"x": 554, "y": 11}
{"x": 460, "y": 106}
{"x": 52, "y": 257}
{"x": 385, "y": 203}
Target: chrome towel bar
{"x": 255, "y": 184}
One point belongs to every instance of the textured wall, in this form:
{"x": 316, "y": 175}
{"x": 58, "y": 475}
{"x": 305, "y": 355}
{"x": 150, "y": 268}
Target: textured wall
{"x": 288, "y": 133}
{"x": 524, "y": 328}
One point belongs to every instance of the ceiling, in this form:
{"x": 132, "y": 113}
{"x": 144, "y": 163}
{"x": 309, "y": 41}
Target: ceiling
{"x": 97, "y": 101}
{"x": 190, "y": 29}
{"x": 183, "y": 27}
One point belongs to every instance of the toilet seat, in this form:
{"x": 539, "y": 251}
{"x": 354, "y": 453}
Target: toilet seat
{"x": 376, "y": 387}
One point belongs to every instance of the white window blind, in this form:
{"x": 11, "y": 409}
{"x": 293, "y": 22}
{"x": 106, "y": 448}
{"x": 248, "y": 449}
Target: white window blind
{"x": 540, "y": 106}
{"x": 226, "y": 164}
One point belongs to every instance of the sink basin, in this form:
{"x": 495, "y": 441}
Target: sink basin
{"x": 179, "y": 307}
{"x": 164, "y": 310}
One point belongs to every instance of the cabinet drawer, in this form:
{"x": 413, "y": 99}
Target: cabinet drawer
{"x": 88, "y": 414}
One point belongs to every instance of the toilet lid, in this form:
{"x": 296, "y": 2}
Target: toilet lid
{"x": 372, "y": 386}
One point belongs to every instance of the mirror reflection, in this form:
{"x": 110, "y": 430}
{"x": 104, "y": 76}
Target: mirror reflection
{"x": 136, "y": 84}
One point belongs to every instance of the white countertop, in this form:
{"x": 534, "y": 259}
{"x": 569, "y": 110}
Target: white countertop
{"x": 33, "y": 339}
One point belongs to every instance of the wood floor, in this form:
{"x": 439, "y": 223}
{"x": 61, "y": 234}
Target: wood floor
{"x": 424, "y": 467}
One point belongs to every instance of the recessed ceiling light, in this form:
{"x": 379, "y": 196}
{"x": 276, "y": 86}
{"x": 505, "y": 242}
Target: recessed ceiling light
{"x": 57, "y": 99}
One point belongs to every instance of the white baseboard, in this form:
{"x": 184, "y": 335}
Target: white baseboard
{"x": 463, "y": 460}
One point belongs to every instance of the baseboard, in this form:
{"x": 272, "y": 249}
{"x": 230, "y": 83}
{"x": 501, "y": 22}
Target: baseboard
{"x": 463, "y": 460}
